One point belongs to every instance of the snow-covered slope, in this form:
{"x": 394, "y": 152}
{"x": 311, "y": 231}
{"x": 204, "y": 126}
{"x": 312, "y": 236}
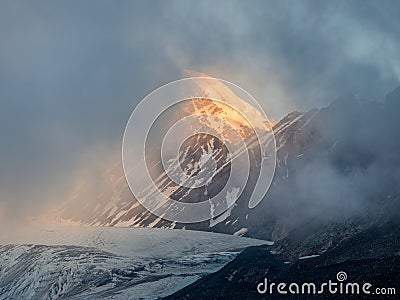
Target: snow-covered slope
{"x": 109, "y": 263}
{"x": 116, "y": 206}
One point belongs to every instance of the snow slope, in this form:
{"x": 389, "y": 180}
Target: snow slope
{"x": 110, "y": 263}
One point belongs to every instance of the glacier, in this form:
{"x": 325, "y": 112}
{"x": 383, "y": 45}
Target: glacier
{"x": 82, "y": 262}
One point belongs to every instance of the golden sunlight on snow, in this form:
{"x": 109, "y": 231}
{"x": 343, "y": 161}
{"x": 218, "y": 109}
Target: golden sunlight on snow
{"x": 236, "y": 111}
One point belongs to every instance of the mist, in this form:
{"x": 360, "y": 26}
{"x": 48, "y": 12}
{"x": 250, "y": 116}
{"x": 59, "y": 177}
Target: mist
{"x": 343, "y": 164}
{"x": 71, "y": 74}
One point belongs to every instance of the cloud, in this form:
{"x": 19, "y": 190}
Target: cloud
{"x": 292, "y": 55}
{"x": 71, "y": 72}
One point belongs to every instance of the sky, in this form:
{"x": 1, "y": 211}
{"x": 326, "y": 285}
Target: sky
{"x": 71, "y": 72}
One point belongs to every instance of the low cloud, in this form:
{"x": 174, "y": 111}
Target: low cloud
{"x": 71, "y": 73}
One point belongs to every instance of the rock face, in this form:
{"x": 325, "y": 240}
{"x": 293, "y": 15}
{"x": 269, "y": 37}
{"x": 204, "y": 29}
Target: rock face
{"x": 335, "y": 204}
{"x": 239, "y": 278}
{"x": 367, "y": 249}
{"x": 332, "y": 163}
{"x": 115, "y": 205}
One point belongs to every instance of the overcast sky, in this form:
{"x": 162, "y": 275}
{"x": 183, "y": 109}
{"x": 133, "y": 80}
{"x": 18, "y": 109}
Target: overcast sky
{"x": 72, "y": 71}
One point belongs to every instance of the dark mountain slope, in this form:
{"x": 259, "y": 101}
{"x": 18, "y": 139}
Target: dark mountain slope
{"x": 336, "y": 208}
